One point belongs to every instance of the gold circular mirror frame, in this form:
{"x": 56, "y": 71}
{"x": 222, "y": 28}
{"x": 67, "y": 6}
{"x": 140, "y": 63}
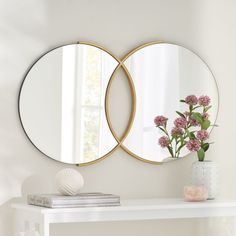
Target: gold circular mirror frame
{"x": 133, "y": 94}
{"x": 133, "y": 101}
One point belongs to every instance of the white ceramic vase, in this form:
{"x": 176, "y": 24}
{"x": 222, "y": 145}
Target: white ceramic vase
{"x": 205, "y": 173}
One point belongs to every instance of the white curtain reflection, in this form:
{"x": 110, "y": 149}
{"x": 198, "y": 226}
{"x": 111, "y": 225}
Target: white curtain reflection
{"x": 155, "y": 83}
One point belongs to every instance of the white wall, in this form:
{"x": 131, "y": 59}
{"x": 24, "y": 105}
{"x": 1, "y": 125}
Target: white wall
{"x": 29, "y": 28}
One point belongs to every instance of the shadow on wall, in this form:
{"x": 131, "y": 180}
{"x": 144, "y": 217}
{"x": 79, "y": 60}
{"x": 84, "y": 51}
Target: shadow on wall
{"x": 38, "y": 184}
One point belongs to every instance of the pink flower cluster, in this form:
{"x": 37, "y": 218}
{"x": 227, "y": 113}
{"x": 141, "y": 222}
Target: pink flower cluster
{"x": 193, "y": 145}
{"x": 164, "y": 141}
{"x": 176, "y": 132}
{"x": 193, "y": 122}
{"x": 202, "y": 135}
{"x": 190, "y": 128}
{"x": 160, "y": 121}
{"x": 180, "y": 122}
{"x": 204, "y": 101}
{"x": 191, "y": 100}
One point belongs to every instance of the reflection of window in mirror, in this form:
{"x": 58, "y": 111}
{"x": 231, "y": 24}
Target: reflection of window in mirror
{"x": 82, "y": 87}
{"x": 91, "y": 105}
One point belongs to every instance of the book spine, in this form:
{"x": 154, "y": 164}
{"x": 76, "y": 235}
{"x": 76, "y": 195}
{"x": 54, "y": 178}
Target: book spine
{"x": 84, "y": 201}
{"x": 32, "y": 200}
{"x": 46, "y": 204}
{"x": 85, "y": 205}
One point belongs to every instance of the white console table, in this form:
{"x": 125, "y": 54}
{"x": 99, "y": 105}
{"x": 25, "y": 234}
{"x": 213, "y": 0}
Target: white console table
{"x": 40, "y": 218}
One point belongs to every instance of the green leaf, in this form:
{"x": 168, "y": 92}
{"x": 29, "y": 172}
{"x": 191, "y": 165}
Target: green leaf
{"x": 187, "y": 131}
{"x": 196, "y": 107}
{"x": 170, "y": 151}
{"x": 207, "y": 108}
{"x": 161, "y": 129}
{"x": 201, "y": 155}
{"x": 181, "y": 146}
{"x": 205, "y": 124}
{"x": 180, "y": 114}
{"x": 205, "y": 146}
{"x": 192, "y": 135}
{"x": 197, "y": 116}
{"x": 182, "y": 100}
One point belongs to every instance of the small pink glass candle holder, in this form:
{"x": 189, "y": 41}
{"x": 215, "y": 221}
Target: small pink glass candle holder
{"x": 194, "y": 193}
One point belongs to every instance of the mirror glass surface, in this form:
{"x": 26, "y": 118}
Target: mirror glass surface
{"x": 162, "y": 75}
{"x": 62, "y": 103}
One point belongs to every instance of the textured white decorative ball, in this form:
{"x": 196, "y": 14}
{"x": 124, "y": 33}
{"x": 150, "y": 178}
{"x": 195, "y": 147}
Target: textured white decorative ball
{"x": 69, "y": 181}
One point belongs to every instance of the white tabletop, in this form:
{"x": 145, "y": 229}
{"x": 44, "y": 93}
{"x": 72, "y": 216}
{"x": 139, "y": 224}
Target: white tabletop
{"x": 138, "y": 209}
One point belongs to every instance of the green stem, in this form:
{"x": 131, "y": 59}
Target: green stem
{"x": 171, "y": 146}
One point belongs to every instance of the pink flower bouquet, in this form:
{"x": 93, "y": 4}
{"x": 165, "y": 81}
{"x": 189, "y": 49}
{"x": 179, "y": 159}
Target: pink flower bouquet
{"x": 189, "y": 130}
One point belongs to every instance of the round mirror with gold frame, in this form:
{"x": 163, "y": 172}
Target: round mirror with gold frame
{"x": 162, "y": 74}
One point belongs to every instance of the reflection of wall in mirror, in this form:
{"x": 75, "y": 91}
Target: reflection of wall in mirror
{"x": 196, "y": 78}
{"x": 40, "y": 103}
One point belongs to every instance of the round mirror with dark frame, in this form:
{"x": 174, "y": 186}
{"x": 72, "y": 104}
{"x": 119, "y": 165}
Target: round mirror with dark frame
{"x": 62, "y": 103}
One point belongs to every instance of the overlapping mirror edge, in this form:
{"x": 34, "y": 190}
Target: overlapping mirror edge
{"x": 119, "y": 65}
{"x": 133, "y": 97}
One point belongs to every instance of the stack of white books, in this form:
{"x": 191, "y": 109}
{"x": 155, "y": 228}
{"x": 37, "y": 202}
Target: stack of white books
{"x": 81, "y": 200}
